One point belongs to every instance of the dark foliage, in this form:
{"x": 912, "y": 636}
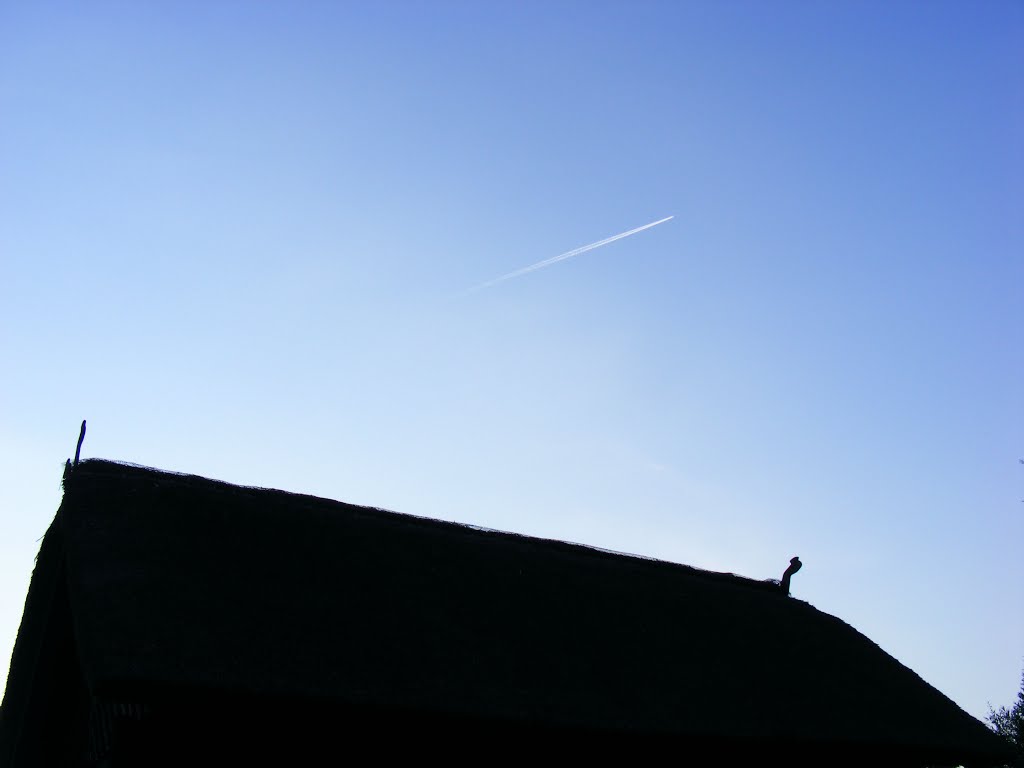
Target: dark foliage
{"x": 1009, "y": 723}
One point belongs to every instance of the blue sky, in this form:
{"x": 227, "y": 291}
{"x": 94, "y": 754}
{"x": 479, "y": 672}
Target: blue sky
{"x": 237, "y": 238}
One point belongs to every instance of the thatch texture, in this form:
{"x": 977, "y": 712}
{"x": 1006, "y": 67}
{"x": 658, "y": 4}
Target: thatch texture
{"x": 212, "y": 609}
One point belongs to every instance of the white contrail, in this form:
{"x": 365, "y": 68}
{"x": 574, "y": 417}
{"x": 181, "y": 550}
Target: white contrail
{"x": 568, "y": 254}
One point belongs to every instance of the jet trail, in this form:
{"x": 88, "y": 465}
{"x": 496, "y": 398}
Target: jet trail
{"x": 568, "y": 255}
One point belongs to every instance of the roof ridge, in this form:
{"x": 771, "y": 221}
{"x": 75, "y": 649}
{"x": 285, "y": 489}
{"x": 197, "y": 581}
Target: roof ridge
{"x": 100, "y": 466}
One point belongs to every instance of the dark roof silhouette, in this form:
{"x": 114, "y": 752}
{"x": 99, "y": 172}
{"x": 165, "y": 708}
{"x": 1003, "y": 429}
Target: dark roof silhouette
{"x": 178, "y": 611}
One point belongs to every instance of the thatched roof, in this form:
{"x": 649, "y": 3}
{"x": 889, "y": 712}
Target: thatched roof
{"x": 173, "y": 594}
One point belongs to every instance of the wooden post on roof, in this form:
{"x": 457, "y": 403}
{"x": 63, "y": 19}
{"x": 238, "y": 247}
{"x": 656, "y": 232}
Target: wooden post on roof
{"x": 78, "y": 448}
{"x": 794, "y": 566}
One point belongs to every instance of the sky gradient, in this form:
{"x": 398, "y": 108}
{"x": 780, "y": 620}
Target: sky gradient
{"x": 240, "y": 238}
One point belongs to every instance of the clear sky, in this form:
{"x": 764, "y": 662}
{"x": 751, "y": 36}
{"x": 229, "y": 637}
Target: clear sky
{"x": 238, "y": 237}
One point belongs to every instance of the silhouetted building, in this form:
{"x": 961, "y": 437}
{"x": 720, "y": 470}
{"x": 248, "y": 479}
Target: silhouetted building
{"x": 177, "y": 620}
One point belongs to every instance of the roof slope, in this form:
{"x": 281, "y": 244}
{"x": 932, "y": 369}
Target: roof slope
{"x": 183, "y": 581}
